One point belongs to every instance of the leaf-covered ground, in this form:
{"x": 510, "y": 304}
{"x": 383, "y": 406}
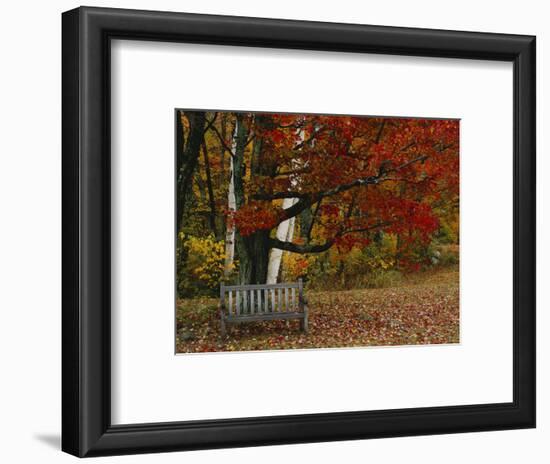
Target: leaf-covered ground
{"x": 423, "y": 310}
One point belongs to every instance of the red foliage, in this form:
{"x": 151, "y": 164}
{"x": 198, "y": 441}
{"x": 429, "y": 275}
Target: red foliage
{"x": 253, "y": 217}
{"x": 415, "y": 161}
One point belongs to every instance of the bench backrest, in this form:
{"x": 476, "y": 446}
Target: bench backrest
{"x": 261, "y": 299}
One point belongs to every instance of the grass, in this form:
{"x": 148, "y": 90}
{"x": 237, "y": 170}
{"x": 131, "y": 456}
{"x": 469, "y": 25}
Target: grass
{"x": 422, "y": 309}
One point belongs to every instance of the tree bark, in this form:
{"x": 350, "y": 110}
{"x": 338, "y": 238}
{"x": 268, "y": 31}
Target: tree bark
{"x": 231, "y": 207}
{"x": 285, "y": 232}
{"x": 223, "y": 129}
{"x": 239, "y": 170}
{"x": 187, "y": 156}
{"x": 253, "y": 257}
{"x": 306, "y": 224}
{"x": 253, "y": 250}
{"x": 211, "y": 199}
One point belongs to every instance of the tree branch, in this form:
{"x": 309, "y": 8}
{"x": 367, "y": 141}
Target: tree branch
{"x": 308, "y": 199}
{"x": 279, "y": 195}
{"x": 296, "y": 248}
{"x": 222, "y": 141}
{"x": 317, "y": 207}
{"x": 310, "y": 138}
{"x": 319, "y": 248}
{"x": 210, "y": 123}
{"x": 421, "y": 158}
{"x": 293, "y": 172}
{"x": 380, "y": 129}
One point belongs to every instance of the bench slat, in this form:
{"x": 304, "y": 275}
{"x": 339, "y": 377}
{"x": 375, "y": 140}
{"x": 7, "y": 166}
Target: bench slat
{"x": 286, "y": 299}
{"x": 239, "y": 302}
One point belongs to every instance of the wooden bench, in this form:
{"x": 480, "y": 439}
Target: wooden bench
{"x": 248, "y": 303}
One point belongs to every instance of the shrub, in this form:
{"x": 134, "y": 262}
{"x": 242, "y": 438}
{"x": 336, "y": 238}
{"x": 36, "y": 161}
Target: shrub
{"x": 200, "y": 265}
{"x": 359, "y": 267}
{"x": 449, "y": 255}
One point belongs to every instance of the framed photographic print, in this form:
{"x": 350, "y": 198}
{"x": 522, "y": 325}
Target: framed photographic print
{"x": 283, "y": 231}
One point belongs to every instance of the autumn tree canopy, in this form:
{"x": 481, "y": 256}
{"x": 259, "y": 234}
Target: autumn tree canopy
{"x": 304, "y": 184}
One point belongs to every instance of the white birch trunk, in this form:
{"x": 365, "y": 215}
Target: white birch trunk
{"x": 232, "y": 207}
{"x": 285, "y": 233}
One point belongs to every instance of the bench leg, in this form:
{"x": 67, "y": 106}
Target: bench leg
{"x": 222, "y": 327}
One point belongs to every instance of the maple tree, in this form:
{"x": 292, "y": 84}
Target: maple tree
{"x": 338, "y": 181}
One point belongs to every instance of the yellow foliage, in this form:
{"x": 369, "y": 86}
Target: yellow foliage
{"x": 362, "y": 259}
{"x": 296, "y": 265}
{"x": 206, "y": 258}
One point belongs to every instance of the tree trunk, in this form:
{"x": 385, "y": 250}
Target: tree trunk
{"x": 306, "y": 224}
{"x": 186, "y": 158}
{"x": 238, "y": 174}
{"x": 202, "y": 189}
{"x": 223, "y": 128}
{"x": 211, "y": 199}
{"x": 231, "y": 208}
{"x": 253, "y": 250}
{"x": 253, "y": 257}
{"x": 285, "y": 232}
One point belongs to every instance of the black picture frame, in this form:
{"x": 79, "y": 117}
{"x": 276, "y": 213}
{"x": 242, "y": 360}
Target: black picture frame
{"x": 86, "y": 287}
